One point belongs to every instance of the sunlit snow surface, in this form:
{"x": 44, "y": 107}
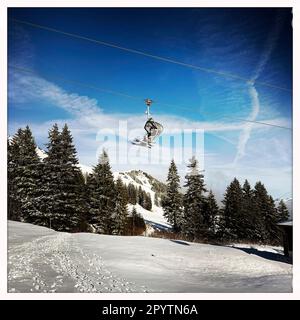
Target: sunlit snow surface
{"x": 42, "y": 260}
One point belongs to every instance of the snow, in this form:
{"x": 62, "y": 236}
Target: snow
{"x": 41, "y": 153}
{"x": 154, "y": 219}
{"x": 42, "y": 260}
{"x": 287, "y": 223}
{"x": 262, "y": 248}
{"x": 143, "y": 181}
{"x": 85, "y": 169}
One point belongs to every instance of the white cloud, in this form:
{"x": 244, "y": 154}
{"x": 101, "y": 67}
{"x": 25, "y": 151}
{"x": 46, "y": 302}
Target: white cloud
{"x": 269, "y": 47}
{"x": 245, "y": 134}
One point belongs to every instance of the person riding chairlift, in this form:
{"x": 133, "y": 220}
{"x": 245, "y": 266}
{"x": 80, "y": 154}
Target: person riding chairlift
{"x": 149, "y": 127}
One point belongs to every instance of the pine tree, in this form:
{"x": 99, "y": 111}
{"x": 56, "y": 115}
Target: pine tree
{"x": 249, "y": 223}
{"x": 210, "y": 213}
{"x": 102, "y": 196}
{"x": 140, "y": 196}
{"x": 134, "y": 217}
{"x": 49, "y": 203}
{"x": 282, "y": 212}
{"x": 232, "y": 211}
{"x": 156, "y": 200}
{"x": 72, "y": 180}
{"x": 13, "y": 201}
{"x": 120, "y": 213}
{"x": 193, "y": 220}
{"x": 172, "y": 204}
{"x": 23, "y": 172}
{"x": 146, "y": 202}
{"x": 83, "y": 198}
{"x": 136, "y": 223}
{"x": 61, "y": 203}
{"x": 266, "y": 210}
{"x": 132, "y": 194}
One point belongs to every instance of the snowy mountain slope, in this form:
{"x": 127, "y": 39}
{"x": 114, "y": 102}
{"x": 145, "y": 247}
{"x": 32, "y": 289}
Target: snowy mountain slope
{"x": 42, "y": 260}
{"x": 154, "y": 219}
{"x": 141, "y": 179}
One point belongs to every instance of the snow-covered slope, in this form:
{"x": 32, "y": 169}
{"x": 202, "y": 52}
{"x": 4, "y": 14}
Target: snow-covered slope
{"x": 42, "y": 260}
{"x": 141, "y": 179}
{"x": 154, "y": 219}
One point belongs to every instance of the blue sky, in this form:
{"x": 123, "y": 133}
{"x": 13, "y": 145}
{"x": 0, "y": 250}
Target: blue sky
{"x": 255, "y": 44}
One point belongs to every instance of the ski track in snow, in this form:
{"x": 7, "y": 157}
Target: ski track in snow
{"x": 42, "y": 260}
{"x": 60, "y": 256}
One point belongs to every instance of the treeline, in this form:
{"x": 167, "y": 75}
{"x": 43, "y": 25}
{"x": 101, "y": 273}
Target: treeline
{"x": 139, "y": 196}
{"x": 247, "y": 214}
{"x": 53, "y": 192}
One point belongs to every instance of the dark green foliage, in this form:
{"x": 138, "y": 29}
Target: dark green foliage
{"x": 232, "y": 211}
{"x": 172, "y": 201}
{"x": 132, "y": 194}
{"x": 193, "y": 219}
{"x": 135, "y": 224}
{"x": 252, "y": 225}
{"x": 248, "y": 215}
{"x": 144, "y": 199}
{"x": 282, "y": 212}
{"x": 120, "y": 212}
{"x": 210, "y": 212}
{"x": 23, "y": 173}
{"x": 13, "y": 202}
{"x": 61, "y": 203}
{"x": 266, "y": 211}
{"x": 102, "y": 196}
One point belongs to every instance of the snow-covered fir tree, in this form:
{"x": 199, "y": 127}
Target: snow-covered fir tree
{"x": 193, "y": 221}
{"x": 102, "y": 196}
{"x": 232, "y": 211}
{"x": 72, "y": 179}
{"x": 251, "y": 224}
{"x": 49, "y": 210}
{"x": 60, "y": 203}
{"x": 23, "y": 173}
{"x": 172, "y": 203}
{"x": 13, "y": 201}
{"x": 267, "y": 213}
{"x": 210, "y": 213}
{"x": 120, "y": 213}
{"x": 282, "y": 212}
